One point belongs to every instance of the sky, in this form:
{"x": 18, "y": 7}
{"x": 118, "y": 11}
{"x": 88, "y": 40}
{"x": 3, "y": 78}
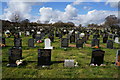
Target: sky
{"x": 77, "y": 11}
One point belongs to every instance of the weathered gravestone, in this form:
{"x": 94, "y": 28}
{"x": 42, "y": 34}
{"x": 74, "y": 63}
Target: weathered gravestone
{"x": 64, "y": 42}
{"x": 15, "y": 53}
{"x": 51, "y": 37}
{"x": 69, "y": 63}
{"x": 16, "y": 35}
{"x": 97, "y": 57}
{"x": 44, "y": 57}
{"x": 117, "y": 40}
{"x": 48, "y": 44}
{"x": 110, "y": 44}
{"x": 95, "y": 42}
{"x": 105, "y": 39}
{"x": 118, "y": 58}
{"x": 3, "y": 40}
{"x": 17, "y": 42}
{"x": 37, "y": 37}
{"x": 79, "y": 43}
{"x": 31, "y": 42}
{"x": 27, "y": 33}
{"x": 72, "y": 38}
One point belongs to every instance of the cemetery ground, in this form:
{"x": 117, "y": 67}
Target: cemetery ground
{"x": 57, "y": 69}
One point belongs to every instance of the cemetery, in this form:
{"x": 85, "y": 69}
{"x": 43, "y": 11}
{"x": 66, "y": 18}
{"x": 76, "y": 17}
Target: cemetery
{"x": 90, "y": 55}
{"x": 54, "y": 44}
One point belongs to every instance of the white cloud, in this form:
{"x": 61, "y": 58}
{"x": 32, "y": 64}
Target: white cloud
{"x": 20, "y": 7}
{"x": 71, "y": 15}
{"x": 48, "y": 14}
{"x": 113, "y": 3}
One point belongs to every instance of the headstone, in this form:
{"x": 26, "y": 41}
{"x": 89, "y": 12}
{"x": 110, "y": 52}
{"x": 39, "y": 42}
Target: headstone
{"x": 69, "y": 63}
{"x": 20, "y": 33}
{"x": 72, "y": 38}
{"x": 3, "y": 40}
{"x": 51, "y": 37}
{"x": 17, "y": 42}
{"x": 117, "y": 40}
{"x": 64, "y": 42}
{"x": 110, "y": 44}
{"x": 48, "y": 44}
{"x": 97, "y": 57}
{"x": 82, "y": 35}
{"x": 79, "y": 43}
{"x": 15, "y": 53}
{"x": 95, "y": 42}
{"x": 27, "y": 33}
{"x": 16, "y": 35}
{"x": 44, "y": 57}
{"x": 31, "y": 42}
{"x": 118, "y": 58}
{"x": 105, "y": 39}
{"x": 37, "y": 37}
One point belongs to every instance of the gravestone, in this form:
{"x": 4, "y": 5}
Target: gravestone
{"x": 72, "y": 38}
{"x": 57, "y": 34}
{"x": 37, "y": 37}
{"x": 64, "y": 42}
{"x": 60, "y": 35}
{"x": 82, "y": 35}
{"x": 97, "y": 57}
{"x": 31, "y": 42}
{"x": 110, "y": 44}
{"x": 17, "y": 42}
{"x": 3, "y": 40}
{"x": 44, "y": 57}
{"x": 95, "y": 42}
{"x": 48, "y": 44}
{"x": 118, "y": 58}
{"x": 27, "y": 33}
{"x": 15, "y": 53}
{"x": 69, "y": 63}
{"x": 116, "y": 40}
{"x": 105, "y": 39}
{"x": 79, "y": 43}
{"x": 16, "y": 35}
{"x": 51, "y": 37}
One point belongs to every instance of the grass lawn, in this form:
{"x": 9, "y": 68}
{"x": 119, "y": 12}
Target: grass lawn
{"x": 57, "y": 69}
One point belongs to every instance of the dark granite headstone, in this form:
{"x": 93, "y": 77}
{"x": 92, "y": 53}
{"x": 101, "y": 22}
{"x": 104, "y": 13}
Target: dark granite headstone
{"x": 105, "y": 39}
{"x": 51, "y": 37}
{"x": 15, "y": 53}
{"x": 95, "y": 42}
{"x": 16, "y": 35}
{"x": 72, "y": 38}
{"x": 64, "y": 42}
{"x": 38, "y": 37}
{"x": 3, "y": 40}
{"x": 17, "y": 42}
{"x": 44, "y": 57}
{"x": 79, "y": 43}
{"x": 31, "y": 42}
{"x": 97, "y": 57}
{"x": 110, "y": 44}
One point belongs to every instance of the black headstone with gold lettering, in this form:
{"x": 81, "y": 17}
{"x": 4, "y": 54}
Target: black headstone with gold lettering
{"x": 44, "y": 57}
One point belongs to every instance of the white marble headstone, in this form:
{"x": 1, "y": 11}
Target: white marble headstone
{"x": 48, "y": 44}
{"x": 69, "y": 63}
{"x": 82, "y": 34}
{"x": 27, "y": 33}
{"x": 20, "y": 33}
{"x": 116, "y": 40}
{"x": 39, "y": 32}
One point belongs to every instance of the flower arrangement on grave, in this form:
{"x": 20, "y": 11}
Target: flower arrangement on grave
{"x": 39, "y": 41}
{"x": 2, "y": 45}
